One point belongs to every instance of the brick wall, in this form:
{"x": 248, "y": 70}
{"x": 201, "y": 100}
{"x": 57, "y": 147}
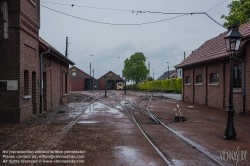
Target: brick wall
{"x": 215, "y": 91}
{"x": 77, "y": 82}
{"x": 247, "y": 76}
{"x": 9, "y": 62}
{"x": 19, "y": 53}
{"x": 29, "y": 56}
{"x": 188, "y": 94}
{"x": 200, "y": 88}
{"x": 55, "y": 81}
{"x": 217, "y": 95}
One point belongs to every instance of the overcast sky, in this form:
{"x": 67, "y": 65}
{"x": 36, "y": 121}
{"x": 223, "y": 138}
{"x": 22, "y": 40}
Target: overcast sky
{"x": 110, "y": 45}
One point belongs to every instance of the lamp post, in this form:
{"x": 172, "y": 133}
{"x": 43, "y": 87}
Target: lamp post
{"x": 232, "y": 41}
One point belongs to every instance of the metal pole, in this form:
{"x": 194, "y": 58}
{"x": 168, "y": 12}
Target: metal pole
{"x": 230, "y": 131}
{"x": 125, "y": 88}
{"x": 90, "y": 77}
{"x": 93, "y": 80}
{"x": 153, "y": 74}
{"x": 105, "y": 87}
{"x": 168, "y": 70}
{"x": 41, "y": 79}
{"x": 66, "y": 52}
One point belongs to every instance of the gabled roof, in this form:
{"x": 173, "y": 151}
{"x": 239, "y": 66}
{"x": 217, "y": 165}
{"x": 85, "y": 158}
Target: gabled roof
{"x": 111, "y": 73}
{"x": 214, "y": 48}
{"x": 43, "y": 44}
{"x": 165, "y": 75}
{"x": 82, "y": 71}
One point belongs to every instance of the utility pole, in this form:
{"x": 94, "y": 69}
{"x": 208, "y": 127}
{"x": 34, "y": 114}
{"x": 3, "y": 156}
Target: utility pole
{"x": 90, "y": 78}
{"x": 153, "y": 74}
{"x": 148, "y": 69}
{"x": 67, "y": 45}
{"x": 93, "y": 79}
{"x": 168, "y": 70}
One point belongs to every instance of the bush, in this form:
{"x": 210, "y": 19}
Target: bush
{"x": 172, "y": 84}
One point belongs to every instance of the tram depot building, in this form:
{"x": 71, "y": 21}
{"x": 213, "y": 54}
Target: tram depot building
{"x": 20, "y": 50}
{"x": 80, "y": 80}
{"x": 206, "y": 73}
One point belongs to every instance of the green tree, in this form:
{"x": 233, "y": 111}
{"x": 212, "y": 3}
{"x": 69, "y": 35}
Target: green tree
{"x": 239, "y": 13}
{"x": 134, "y": 68}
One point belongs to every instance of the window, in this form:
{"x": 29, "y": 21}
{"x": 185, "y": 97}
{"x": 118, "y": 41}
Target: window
{"x": 26, "y": 82}
{"x": 188, "y": 80}
{"x": 214, "y": 78}
{"x": 237, "y": 76}
{"x": 199, "y": 79}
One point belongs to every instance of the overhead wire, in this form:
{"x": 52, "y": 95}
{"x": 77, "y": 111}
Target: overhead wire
{"x": 133, "y": 11}
{"x": 216, "y": 6}
{"x": 108, "y": 23}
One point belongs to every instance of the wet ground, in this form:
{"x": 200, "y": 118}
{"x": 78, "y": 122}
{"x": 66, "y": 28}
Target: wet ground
{"x": 104, "y": 135}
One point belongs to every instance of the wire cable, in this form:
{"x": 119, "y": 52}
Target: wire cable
{"x": 90, "y": 7}
{"x": 135, "y": 11}
{"x": 107, "y": 23}
{"x": 216, "y": 5}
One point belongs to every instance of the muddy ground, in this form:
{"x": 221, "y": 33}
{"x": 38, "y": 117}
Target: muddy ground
{"x": 104, "y": 135}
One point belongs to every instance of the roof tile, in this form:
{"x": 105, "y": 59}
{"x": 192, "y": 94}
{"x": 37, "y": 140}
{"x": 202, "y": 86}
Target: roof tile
{"x": 213, "y": 48}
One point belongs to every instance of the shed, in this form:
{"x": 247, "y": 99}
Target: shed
{"x": 112, "y": 80}
{"x": 80, "y": 80}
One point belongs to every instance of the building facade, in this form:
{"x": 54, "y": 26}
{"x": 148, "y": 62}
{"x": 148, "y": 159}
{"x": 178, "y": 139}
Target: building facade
{"x": 206, "y": 74}
{"x": 20, "y": 50}
{"x": 80, "y": 81}
{"x": 112, "y": 80}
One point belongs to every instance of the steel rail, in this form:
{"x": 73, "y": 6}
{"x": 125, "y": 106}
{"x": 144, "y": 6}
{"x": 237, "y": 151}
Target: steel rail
{"x": 152, "y": 144}
{"x": 64, "y": 131}
{"x": 12, "y": 143}
{"x": 185, "y": 139}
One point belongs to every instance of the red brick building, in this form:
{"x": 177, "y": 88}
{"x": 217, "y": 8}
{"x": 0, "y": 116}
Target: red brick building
{"x": 112, "y": 80}
{"x": 206, "y": 73}
{"x": 20, "y": 50}
{"x": 80, "y": 81}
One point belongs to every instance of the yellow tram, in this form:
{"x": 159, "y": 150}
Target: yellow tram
{"x": 119, "y": 85}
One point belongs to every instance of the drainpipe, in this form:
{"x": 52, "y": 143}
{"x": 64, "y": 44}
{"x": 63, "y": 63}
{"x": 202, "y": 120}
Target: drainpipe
{"x": 243, "y": 86}
{"x": 41, "y": 78}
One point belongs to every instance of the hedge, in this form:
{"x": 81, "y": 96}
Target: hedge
{"x": 173, "y": 84}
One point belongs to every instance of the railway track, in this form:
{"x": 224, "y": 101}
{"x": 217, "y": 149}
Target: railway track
{"x": 50, "y": 142}
{"x": 143, "y": 107}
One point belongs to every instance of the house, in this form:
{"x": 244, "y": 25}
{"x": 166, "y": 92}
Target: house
{"x": 112, "y": 80}
{"x": 168, "y": 74}
{"x": 80, "y": 81}
{"x": 20, "y": 49}
{"x": 206, "y": 73}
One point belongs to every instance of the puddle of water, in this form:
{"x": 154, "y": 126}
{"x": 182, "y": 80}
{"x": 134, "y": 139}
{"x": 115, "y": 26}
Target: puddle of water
{"x": 131, "y": 156}
{"x": 178, "y": 162}
{"x": 88, "y": 122}
{"x": 118, "y": 107}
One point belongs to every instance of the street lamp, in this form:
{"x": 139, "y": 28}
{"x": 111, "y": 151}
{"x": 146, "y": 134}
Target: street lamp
{"x": 105, "y": 78}
{"x": 232, "y": 41}
{"x": 125, "y": 87}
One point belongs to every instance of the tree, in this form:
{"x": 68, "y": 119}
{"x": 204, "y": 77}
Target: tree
{"x": 239, "y": 13}
{"x": 135, "y": 68}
